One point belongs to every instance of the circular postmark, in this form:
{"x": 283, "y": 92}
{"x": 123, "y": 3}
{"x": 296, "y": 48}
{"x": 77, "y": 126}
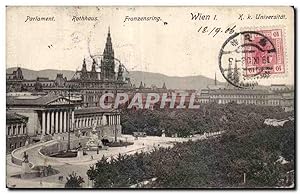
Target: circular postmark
{"x": 246, "y": 57}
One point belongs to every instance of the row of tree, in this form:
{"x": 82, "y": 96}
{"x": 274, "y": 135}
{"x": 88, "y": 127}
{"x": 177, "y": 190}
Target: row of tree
{"x": 235, "y": 159}
{"x": 211, "y": 117}
{"x": 247, "y": 155}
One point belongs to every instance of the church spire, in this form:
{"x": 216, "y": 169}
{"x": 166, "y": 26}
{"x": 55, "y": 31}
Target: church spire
{"x": 215, "y": 78}
{"x": 235, "y": 75}
{"x": 164, "y": 86}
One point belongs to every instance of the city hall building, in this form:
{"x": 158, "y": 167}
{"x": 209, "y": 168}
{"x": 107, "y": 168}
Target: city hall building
{"x": 105, "y": 75}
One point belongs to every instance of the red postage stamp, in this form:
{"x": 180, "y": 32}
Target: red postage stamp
{"x": 267, "y": 53}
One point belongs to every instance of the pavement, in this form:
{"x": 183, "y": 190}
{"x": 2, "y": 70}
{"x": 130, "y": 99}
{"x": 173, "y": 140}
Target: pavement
{"x": 80, "y": 166}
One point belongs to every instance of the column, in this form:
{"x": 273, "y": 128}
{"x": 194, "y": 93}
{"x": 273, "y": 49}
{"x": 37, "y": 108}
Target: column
{"x": 60, "y": 121}
{"x": 43, "y": 123}
{"x": 48, "y": 123}
{"x": 65, "y": 122}
{"x": 20, "y": 132}
{"x": 72, "y": 121}
{"x": 17, "y": 129}
{"x": 25, "y": 129}
{"x": 52, "y": 122}
{"x": 56, "y": 122}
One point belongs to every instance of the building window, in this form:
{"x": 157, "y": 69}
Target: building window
{"x": 8, "y": 130}
{"x": 24, "y": 129}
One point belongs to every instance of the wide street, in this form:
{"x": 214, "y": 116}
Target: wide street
{"x": 66, "y": 166}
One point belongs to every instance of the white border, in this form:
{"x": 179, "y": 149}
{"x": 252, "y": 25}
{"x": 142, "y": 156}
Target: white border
{"x": 111, "y": 2}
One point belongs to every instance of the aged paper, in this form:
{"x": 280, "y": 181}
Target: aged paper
{"x": 150, "y": 97}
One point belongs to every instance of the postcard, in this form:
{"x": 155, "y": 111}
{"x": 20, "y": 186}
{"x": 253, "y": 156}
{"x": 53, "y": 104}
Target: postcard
{"x": 150, "y": 97}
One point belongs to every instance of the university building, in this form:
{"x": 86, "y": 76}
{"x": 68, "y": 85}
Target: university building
{"x": 274, "y": 95}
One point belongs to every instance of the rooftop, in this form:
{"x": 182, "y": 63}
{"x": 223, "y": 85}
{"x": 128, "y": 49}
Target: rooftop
{"x": 94, "y": 110}
{"x": 239, "y": 91}
{"x": 12, "y": 116}
{"x": 32, "y": 100}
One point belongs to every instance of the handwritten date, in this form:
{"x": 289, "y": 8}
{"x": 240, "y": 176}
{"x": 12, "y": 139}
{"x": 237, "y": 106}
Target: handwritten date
{"x": 213, "y": 31}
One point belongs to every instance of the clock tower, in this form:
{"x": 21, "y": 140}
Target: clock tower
{"x": 108, "y": 62}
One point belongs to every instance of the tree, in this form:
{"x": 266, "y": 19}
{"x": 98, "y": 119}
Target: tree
{"x": 74, "y": 181}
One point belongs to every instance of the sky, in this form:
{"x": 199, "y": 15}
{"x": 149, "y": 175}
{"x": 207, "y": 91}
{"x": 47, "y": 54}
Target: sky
{"x": 172, "y": 46}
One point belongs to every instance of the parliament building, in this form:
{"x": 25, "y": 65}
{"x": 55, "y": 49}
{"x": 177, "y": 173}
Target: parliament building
{"x": 41, "y": 109}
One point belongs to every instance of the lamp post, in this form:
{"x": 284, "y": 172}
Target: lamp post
{"x": 69, "y": 117}
{"x": 116, "y": 92}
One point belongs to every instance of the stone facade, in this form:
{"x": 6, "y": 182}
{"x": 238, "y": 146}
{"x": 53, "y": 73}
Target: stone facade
{"x": 16, "y": 130}
{"x": 54, "y": 115}
{"x": 262, "y": 97}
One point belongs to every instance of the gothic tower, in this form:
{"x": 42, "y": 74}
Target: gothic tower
{"x": 93, "y": 74}
{"x": 120, "y": 73}
{"x": 108, "y": 62}
{"x": 235, "y": 75}
{"x": 84, "y": 74}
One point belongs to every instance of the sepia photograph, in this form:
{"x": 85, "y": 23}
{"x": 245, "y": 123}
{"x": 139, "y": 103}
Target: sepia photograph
{"x": 150, "y": 97}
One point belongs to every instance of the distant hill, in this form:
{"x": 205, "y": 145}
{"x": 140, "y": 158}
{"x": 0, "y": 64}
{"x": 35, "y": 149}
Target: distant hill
{"x": 172, "y": 82}
{"x": 50, "y": 73}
